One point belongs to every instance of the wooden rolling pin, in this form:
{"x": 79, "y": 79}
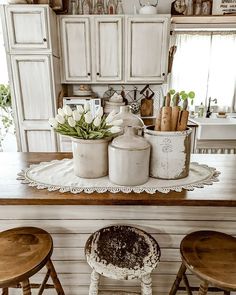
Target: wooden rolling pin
{"x": 175, "y": 112}
{"x": 183, "y": 117}
{"x": 166, "y": 114}
{"x": 158, "y": 119}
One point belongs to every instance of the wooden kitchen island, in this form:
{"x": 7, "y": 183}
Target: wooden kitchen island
{"x": 71, "y": 218}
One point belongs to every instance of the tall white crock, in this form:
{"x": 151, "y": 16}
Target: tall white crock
{"x": 90, "y": 157}
{"x": 129, "y": 156}
{"x": 170, "y": 153}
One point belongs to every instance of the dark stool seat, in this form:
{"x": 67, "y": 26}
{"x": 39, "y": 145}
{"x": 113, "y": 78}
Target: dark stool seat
{"x": 23, "y": 252}
{"x": 121, "y": 252}
{"x": 211, "y": 256}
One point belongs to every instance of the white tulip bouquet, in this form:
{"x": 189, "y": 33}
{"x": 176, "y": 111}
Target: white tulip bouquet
{"x": 80, "y": 123}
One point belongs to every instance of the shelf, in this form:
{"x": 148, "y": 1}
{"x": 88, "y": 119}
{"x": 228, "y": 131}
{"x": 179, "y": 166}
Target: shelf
{"x": 211, "y": 19}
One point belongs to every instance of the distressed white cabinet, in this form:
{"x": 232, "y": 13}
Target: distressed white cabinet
{"x": 108, "y": 33}
{"x": 147, "y": 43}
{"x": 34, "y": 100}
{"x": 33, "y": 66}
{"x": 114, "y": 49}
{"x": 75, "y": 47}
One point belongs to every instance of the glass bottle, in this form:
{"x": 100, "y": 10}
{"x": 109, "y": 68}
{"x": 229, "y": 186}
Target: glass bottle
{"x": 73, "y": 7}
{"x": 119, "y": 9}
{"x": 99, "y": 7}
{"x": 198, "y": 7}
{"x": 86, "y": 7}
{"x": 189, "y": 10}
{"x": 111, "y": 7}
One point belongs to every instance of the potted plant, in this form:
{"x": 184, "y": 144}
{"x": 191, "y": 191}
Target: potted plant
{"x": 6, "y": 114}
{"x": 90, "y": 138}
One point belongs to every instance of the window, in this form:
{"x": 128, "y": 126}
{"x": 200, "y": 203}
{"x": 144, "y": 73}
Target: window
{"x": 205, "y": 62}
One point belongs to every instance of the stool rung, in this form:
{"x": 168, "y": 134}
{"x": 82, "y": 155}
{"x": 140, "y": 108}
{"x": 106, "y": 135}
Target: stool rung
{"x": 117, "y": 292}
{"x": 33, "y": 286}
{"x": 210, "y": 289}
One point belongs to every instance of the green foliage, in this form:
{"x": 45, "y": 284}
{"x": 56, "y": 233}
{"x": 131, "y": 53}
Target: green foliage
{"x": 184, "y": 95}
{"x": 6, "y": 114}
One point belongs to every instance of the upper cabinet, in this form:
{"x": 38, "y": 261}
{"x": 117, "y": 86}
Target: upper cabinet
{"x": 29, "y": 28}
{"x": 95, "y": 48}
{"x": 146, "y": 48}
{"x": 75, "y": 46}
{"x": 108, "y": 48}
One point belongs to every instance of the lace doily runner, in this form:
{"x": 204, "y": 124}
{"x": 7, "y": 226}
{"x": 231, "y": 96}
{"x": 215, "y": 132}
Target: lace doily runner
{"x": 59, "y": 175}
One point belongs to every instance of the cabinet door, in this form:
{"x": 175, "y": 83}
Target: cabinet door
{"x": 109, "y": 42}
{"x": 32, "y": 78}
{"x": 27, "y": 27}
{"x": 75, "y": 43}
{"x": 147, "y": 48}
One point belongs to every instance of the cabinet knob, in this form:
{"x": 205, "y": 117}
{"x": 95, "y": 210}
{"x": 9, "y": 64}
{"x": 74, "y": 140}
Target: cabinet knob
{"x": 98, "y": 74}
{"x": 163, "y": 74}
{"x": 89, "y": 74}
{"x": 44, "y": 39}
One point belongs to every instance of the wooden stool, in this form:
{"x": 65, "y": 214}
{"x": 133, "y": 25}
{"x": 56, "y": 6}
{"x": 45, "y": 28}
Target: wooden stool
{"x": 123, "y": 253}
{"x": 211, "y": 256}
{"x": 23, "y": 252}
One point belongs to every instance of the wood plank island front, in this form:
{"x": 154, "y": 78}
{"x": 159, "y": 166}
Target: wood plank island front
{"x": 71, "y": 218}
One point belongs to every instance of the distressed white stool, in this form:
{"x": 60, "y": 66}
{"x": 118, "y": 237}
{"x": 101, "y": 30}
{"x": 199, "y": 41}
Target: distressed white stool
{"x": 123, "y": 253}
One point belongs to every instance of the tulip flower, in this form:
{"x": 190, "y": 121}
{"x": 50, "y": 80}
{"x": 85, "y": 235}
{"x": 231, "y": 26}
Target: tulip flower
{"x": 71, "y": 122}
{"x": 67, "y": 110}
{"x": 76, "y": 115}
{"x": 110, "y": 117}
{"x": 80, "y": 109}
{"x": 88, "y": 117}
{"x": 115, "y": 129}
{"x": 99, "y": 112}
{"x": 97, "y": 121}
{"x": 61, "y": 112}
{"x": 116, "y": 122}
{"x": 53, "y": 122}
{"x": 60, "y": 119}
{"x": 86, "y": 106}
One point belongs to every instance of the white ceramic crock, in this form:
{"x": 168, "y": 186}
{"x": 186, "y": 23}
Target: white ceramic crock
{"x": 170, "y": 153}
{"x": 129, "y": 156}
{"x": 90, "y": 157}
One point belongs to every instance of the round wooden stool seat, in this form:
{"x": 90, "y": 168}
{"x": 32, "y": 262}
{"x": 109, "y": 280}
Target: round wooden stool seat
{"x": 211, "y": 256}
{"x": 122, "y": 252}
{"x": 23, "y": 252}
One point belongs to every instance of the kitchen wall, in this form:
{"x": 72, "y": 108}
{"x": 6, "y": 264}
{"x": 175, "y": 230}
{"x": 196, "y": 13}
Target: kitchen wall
{"x": 163, "y": 5}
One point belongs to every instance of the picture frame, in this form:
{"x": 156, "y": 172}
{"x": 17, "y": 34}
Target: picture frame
{"x": 222, "y": 7}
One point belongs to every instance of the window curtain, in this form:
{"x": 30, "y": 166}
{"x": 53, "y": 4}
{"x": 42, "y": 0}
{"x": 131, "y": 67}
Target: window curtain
{"x": 205, "y": 62}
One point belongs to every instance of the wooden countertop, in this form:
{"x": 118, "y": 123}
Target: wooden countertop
{"x": 13, "y": 192}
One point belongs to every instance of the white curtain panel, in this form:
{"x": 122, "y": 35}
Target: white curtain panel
{"x": 205, "y": 62}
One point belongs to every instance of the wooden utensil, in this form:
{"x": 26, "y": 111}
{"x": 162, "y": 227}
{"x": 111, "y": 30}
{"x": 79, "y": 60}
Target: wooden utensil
{"x": 158, "y": 118}
{"x": 175, "y": 112}
{"x": 146, "y": 108}
{"x": 183, "y": 117}
{"x": 166, "y": 115}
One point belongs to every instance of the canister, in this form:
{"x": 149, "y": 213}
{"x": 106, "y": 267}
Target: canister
{"x": 129, "y": 156}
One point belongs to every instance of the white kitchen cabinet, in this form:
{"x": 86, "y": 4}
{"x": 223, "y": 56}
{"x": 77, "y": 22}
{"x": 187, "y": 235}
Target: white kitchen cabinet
{"x": 34, "y": 99}
{"x": 147, "y": 43}
{"x": 75, "y": 47}
{"x": 30, "y": 27}
{"x": 108, "y": 34}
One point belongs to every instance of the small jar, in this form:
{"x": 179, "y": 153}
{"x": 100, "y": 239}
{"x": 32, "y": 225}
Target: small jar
{"x": 129, "y": 157}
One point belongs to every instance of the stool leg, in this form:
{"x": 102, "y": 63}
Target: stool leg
{"x": 186, "y": 283}
{"x": 226, "y": 292}
{"x": 54, "y": 277}
{"x": 203, "y": 288}
{"x": 93, "y": 288}
{"x": 26, "y": 287}
{"x": 146, "y": 285}
{"x": 178, "y": 279}
{"x": 5, "y": 291}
